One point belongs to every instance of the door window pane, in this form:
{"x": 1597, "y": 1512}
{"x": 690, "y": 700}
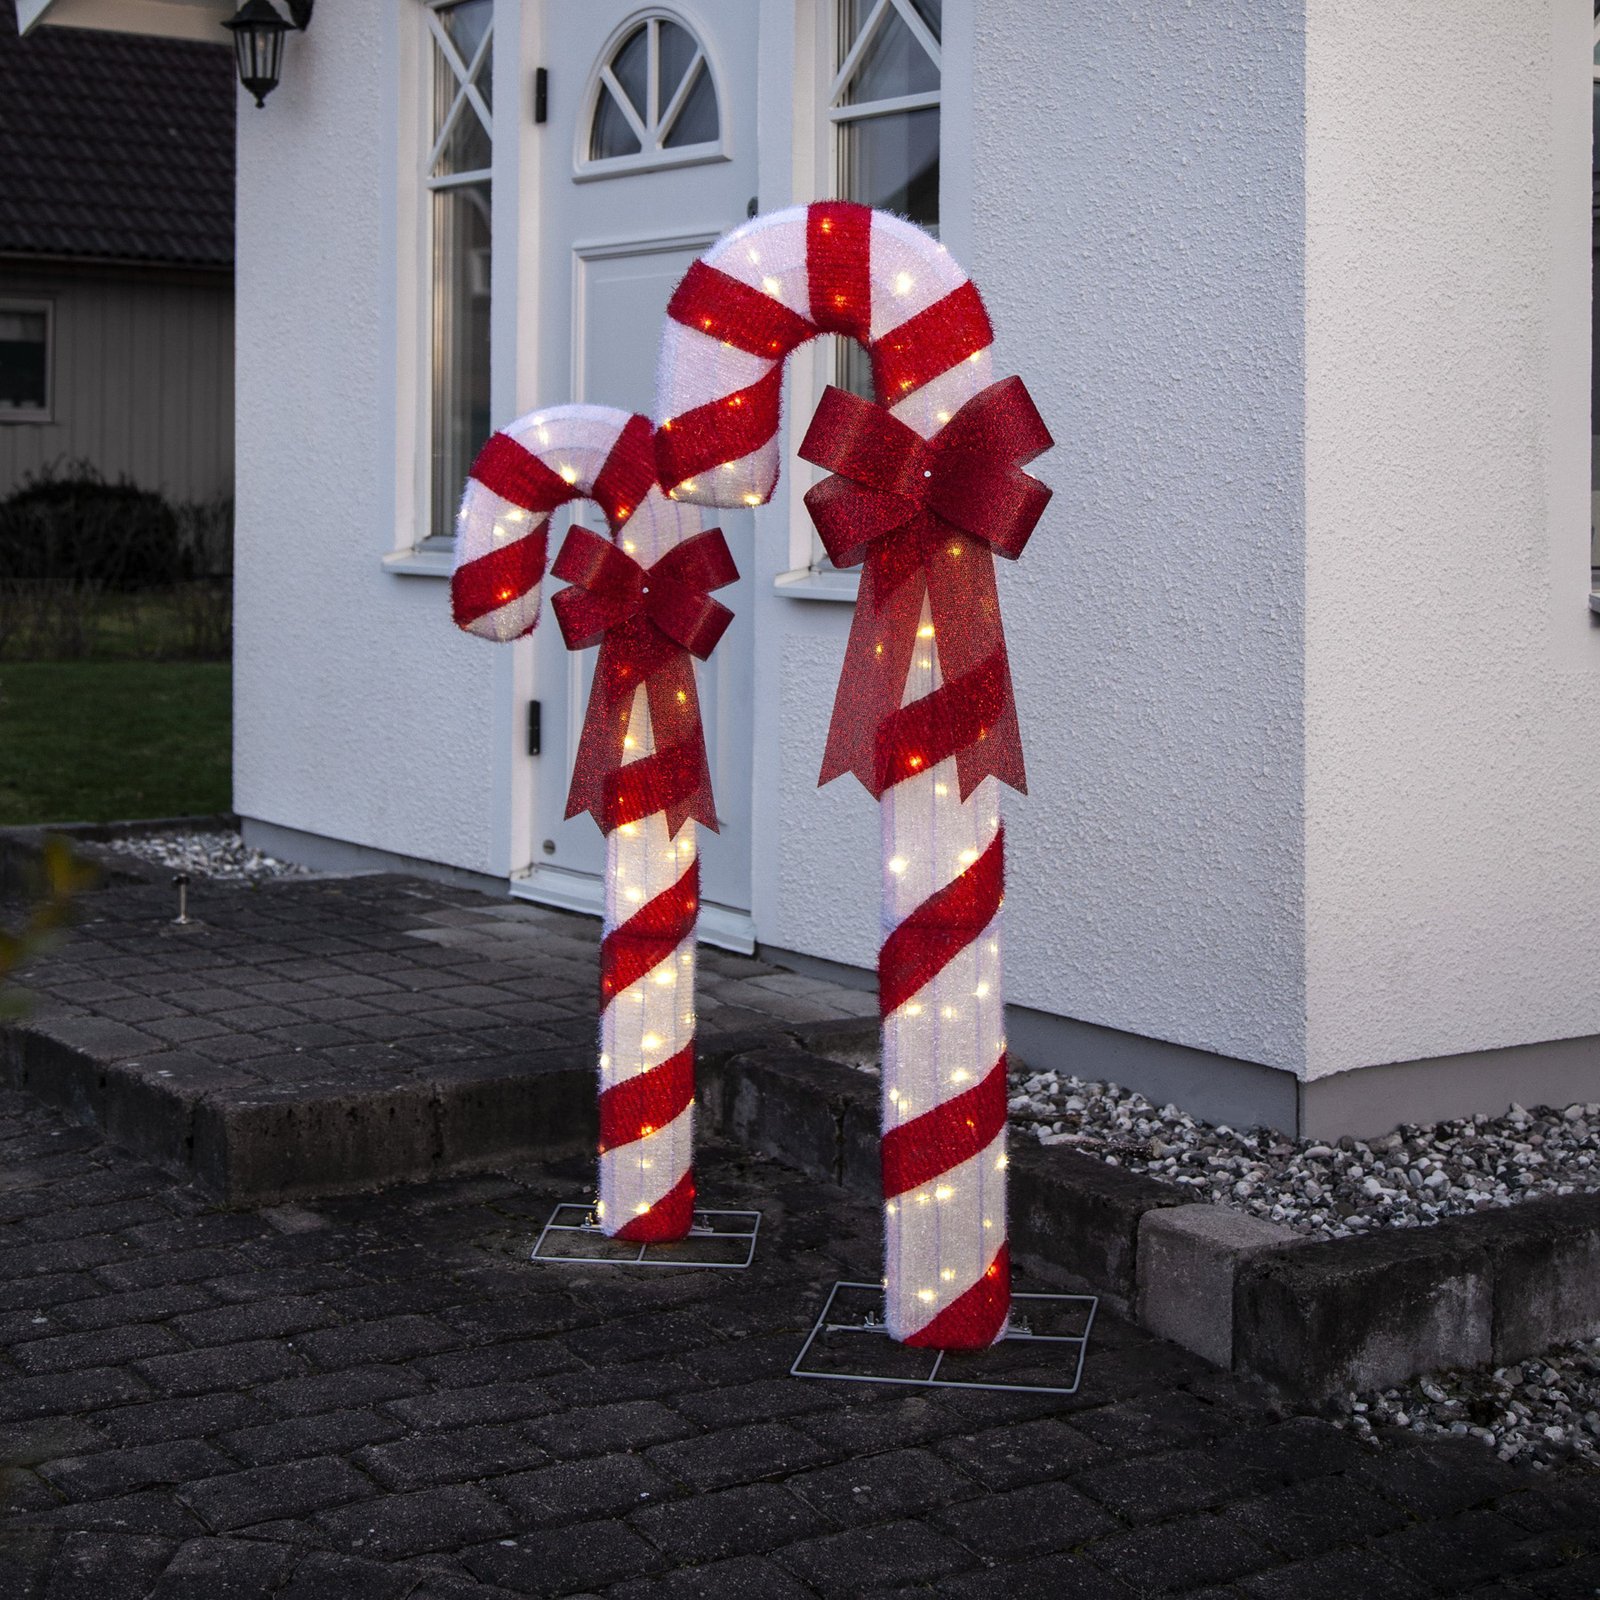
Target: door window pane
{"x": 681, "y": 116}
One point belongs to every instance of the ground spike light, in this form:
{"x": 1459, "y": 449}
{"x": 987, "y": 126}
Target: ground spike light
{"x": 643, "y": 595}
{"x": 928, "y": 486}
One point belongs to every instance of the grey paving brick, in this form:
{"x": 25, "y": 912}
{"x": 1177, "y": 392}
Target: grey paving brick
{"x": 261, "y": 1494}
{"x": 741, "y": 1578}
{"x": 511, "y": 1361}
{"x": 99, "y": 1347}
{"x": 1339, "y": 1575}
{"x": 47, "y": 1290}
{"x": 1025, "y": 1452}
{"x": 765, "y": 1400}
{"x": 61, "y": 1255}
{"x": 1305, "y": 1519}
{"x": 149, "y": 1511}
{"x": 105, "y": 1566}
{"x": 152, "y": 1419}
{"x": 397, "y": 1525}
{"x": 563, "y": 1560}
{"x": 866, "y": 1558}
{"x": 116, "y": 1472}
{"x": 602, "y": 1486}
{"x": 1412, "y": 1478}
{"x": 223, "y": 1569}
{"x": 226, "y": 1367}
{"x": 175, "y": 1266}
{"x": 1185, "y": 1553}
{"x": 257, "y": 1319}
{"x": 137, "y": 1305}
{"x": 880, "y": 1488}
{"x": 459, "y": 1408}
{"x": 390, "y": 1339}
{"x": 321, "y": 1575}
{"x": 459, "y": 1456}
{"x": 598, "y": 1430}
{"x": 1037, "y": 1519}
{"x": 734, "y": 1455}
{"x": 64, "y": 1393}
{"x": 333, "y": 1391}
{"x": 747, "y": 1520}
{"x": 1073, "y": 1576}
{"x": 1153, "y": 1488}
{"x": 198, "y": 1232}
{"x": 329, "y": 1432}
{"x": 74, "y": 1222}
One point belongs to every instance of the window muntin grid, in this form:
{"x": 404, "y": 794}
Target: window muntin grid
{"x": 457, "y": 176}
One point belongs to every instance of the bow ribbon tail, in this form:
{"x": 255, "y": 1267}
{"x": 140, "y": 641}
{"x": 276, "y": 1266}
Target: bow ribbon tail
{"x": 681, "y": 743}
{"x": 603, "y": 742}
{"x": 971, "y": 713}
{"x": 877, "y": 661}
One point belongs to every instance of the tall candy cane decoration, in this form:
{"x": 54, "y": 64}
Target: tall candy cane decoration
{"x": 925, "y": 492}
{"x": 641, "y": 767}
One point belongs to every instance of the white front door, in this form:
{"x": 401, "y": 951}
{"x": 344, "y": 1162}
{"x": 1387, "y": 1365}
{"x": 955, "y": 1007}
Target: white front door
{"x": 646, "y": 157}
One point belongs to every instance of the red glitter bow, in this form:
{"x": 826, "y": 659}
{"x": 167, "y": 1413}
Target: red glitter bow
{"x": 647, "y": 624}
{"x": 926, "y": 516}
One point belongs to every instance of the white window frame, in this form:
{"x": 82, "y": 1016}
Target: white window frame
{"x": 467, "y": 101}
{"x": 839, "y": 113}
{"x": 46, "y": 412}
{"x": 1594, "y": 421}
{"x": 651, "y": 129}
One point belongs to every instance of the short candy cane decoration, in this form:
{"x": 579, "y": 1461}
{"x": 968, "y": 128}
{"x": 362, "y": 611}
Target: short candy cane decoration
{"x": 641, "y": 771}
{"x": 928, "y": 487}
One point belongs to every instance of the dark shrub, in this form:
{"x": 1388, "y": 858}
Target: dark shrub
{"x": 68, "y": 525}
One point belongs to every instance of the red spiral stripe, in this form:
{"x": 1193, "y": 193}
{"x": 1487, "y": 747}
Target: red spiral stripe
{"x": 650, "y": 936}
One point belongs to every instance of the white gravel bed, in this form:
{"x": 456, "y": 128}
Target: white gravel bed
{"x": 1545, "y": 1411}
{"x": 1406, "y": 1179}
{"x": 222, "y": 855}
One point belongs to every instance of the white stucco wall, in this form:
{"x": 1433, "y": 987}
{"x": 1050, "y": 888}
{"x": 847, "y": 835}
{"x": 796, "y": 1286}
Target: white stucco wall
{"x": 1137, "y": 232}
{"x": 360, "y": 712}
{"x": 1452, "y": 668}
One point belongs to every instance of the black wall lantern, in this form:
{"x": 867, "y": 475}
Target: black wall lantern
{"x": 258, "y": 33}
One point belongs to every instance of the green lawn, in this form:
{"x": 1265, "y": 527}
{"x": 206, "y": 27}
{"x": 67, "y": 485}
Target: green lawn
{"x": 97, "y": 741}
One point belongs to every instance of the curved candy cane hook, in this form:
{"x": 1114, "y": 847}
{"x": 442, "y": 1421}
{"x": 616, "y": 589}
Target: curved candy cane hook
{"x": 757, "y": 295}
{"x": 647, "y": 1020}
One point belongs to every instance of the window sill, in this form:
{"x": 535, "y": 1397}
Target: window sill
{"x": 818, "y": 583}
{"x": 420, "y": 562}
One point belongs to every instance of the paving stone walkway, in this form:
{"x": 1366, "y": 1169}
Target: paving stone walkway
{"x": 379, "y": 1398}
{"x": 357, "y": 981}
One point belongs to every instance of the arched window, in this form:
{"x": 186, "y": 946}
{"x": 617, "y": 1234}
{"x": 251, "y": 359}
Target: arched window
{"x": 652, "y": 102}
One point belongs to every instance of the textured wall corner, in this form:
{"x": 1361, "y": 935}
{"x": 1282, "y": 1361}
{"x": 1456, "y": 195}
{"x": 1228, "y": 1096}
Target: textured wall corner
{"x": 1452, "y": 669}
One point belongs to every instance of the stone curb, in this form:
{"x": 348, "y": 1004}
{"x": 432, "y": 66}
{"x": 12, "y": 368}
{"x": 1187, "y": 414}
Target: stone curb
{"x": 21, "y": 849}
{"x": 1311, "y": 1317}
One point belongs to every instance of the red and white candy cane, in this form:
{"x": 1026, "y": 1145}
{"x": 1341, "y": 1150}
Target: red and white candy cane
{"x": 928, "y": 487}
{"x": 641, "y": 769}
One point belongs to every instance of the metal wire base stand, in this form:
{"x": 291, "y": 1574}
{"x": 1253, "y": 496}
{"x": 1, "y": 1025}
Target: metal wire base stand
{"x": 718, "y": 1239}
{"x": 850, "y": 1343}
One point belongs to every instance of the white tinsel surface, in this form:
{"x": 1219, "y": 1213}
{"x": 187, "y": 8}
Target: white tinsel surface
{"x": 222, "y": 855}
